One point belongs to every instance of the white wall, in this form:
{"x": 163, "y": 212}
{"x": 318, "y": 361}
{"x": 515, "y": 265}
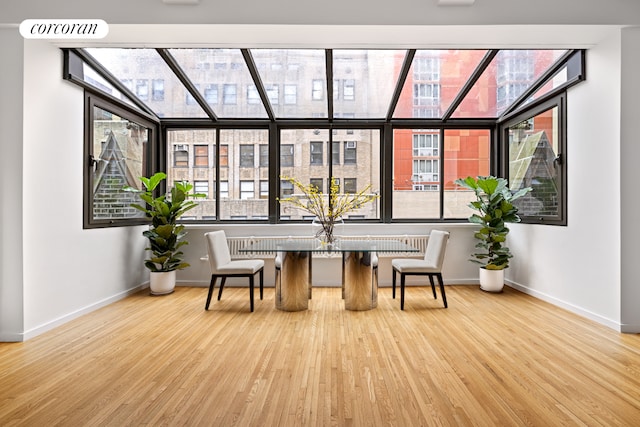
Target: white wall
{"x": 629, "y": 156}
{"x": 11, "y": 301}
{"x": 578, "y": 266}
{"x": 67, "y": 270}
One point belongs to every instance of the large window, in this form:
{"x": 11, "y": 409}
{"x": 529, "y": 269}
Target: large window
{"x": 117, "y": 149}
{"x": 537, "y": 156}
{"x": 424, "y": 174}
{"x": 317, "y": 115}
{"x": 349, "y": 176}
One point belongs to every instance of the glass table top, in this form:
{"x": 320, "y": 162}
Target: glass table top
{"x": 313, "y": 245}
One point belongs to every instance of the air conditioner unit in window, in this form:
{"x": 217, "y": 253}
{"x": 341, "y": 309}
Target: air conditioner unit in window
{"x": 351, "y": 144}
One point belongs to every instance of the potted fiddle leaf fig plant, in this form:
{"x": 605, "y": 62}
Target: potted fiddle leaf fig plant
{"x": 165, "y": 235}
{"x": 493, "y": 210}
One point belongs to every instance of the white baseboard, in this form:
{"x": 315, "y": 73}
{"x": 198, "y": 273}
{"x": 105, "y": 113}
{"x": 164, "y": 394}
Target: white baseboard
{"x": 569, "y": 307}
{"x": 70, "y": 316}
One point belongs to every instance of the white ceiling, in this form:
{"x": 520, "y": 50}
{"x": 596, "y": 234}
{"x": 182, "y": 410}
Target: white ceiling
{"x": 347, "y": 36}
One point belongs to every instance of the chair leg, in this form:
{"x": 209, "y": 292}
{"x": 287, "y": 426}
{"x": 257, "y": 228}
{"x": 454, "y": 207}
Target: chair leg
{"x": 444, "y": 296}
{"x": 211, "y": 286}
{"x": 393, "y": 280}
{"x": 261, "y": 282}
{"x": 251, "y": 286}
{"x": 433, "y": 287}
{"x": 402, "y": 276}
{"x": 224, "y": 279}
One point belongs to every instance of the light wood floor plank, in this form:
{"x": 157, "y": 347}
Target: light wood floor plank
{"x": 487, "y": 360}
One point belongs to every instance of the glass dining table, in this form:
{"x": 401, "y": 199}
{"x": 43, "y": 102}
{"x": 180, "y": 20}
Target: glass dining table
{"x": 293, "y": 263}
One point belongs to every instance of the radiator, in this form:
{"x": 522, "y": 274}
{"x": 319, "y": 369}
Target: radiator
{"x": 417, "y": 241}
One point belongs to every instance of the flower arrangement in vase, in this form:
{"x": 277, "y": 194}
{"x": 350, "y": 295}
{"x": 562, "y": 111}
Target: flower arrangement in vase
{"x": 327, "y": 209}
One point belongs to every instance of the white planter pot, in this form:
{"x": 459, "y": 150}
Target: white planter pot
{"x": 491, "y": 280}
{"x": 163, "y": 282}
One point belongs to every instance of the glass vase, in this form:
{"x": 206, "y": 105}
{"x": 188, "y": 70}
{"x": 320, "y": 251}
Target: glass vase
{"x": 327, "y": 232}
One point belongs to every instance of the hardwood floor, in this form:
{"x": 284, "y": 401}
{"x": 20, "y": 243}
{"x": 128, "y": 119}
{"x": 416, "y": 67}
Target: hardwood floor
{"x": 489, "y": 359}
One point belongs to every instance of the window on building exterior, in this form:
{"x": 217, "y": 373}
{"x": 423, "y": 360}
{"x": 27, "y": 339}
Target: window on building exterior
{"x": 316, "y": 152}
{"x": 317, "y": 90}
{"x": 264, "y": 189}
{"x": 142, "y": 89}
{"x": 426, "y": 145}
{"x": 286, "y": 155}
{"x": 201, "y": 156}
{"x": 181, "y": 156}
{"x": 230, "y": 95}
{"x": 157, "y": 90}
{"x": 247, "y": 190}
{"x": 350, "y": 185}
{"x": 253, "y": 97}
{"x": 335, "y": 153}
{"x": 317, "y": 182}
{"x": 349, "y": 90}
{"x": 273, "y": 93}
{"x": 224, "y": 156}
{"x": 201, "y": 187}
{"x": 264, "y": 155}
{"x": 290, "y": 94}
{"x": 246, "y": 156}
{"x": 286, "y": 188}
{"x": 224, "y": 189}
{"x": 350, "y": 152}
{"x": 211, "y": 94}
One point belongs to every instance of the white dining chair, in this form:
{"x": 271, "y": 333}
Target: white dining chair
{"x": 430, "y": 266}
{"x": 222, "y": 266}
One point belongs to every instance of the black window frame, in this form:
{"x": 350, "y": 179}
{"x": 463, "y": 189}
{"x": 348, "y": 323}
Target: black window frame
{"x": 149, "y": 163}
{"x": 560, "y": 102}
{"x": 156, "y": 157}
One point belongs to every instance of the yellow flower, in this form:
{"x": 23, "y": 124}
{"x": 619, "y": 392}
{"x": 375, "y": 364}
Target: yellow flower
{"x": 336, "y": 206}
{"x": 327, "y": 210}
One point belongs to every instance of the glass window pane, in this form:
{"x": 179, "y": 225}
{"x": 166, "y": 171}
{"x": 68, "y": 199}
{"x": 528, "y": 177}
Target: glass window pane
{"x": 510, "y": 73}
{"x": 95, "y": 80}
{"x": 364, "y": 81}
{"x": 246, "y": 155}
{"x": 201, "y": 187}
{"x": 533, "y": 147}
{"x": 119, "y": 146}
{"x": 309, "y": 144}
{"x": 302, "y": 75}
{"x": 416, "y": 173}
{"x": 181, "y": 142}
{"x": 223, "y": 70}
{"x": 201, "y": 156}
{"x": 466, "y": 154}
{"x": 242, "y": 180}
{"x": 316, "y": 153}
{"x": 143, "y": 66}
{"x": 434, "y": 80}
{"x": 264, "y": 155}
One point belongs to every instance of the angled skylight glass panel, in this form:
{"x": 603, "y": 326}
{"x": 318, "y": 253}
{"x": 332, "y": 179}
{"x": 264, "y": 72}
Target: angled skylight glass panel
{"x": 146, "y": 74}
{"x": 568, "y": 72}
{"x": 295, "y": 81}
{"x": 90, "y": 76}
{"x": 434, "y": 80}
{"x": 223, "y": 79}
{"x": 510, "y": 73}
{"x": 364, "y": 81}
